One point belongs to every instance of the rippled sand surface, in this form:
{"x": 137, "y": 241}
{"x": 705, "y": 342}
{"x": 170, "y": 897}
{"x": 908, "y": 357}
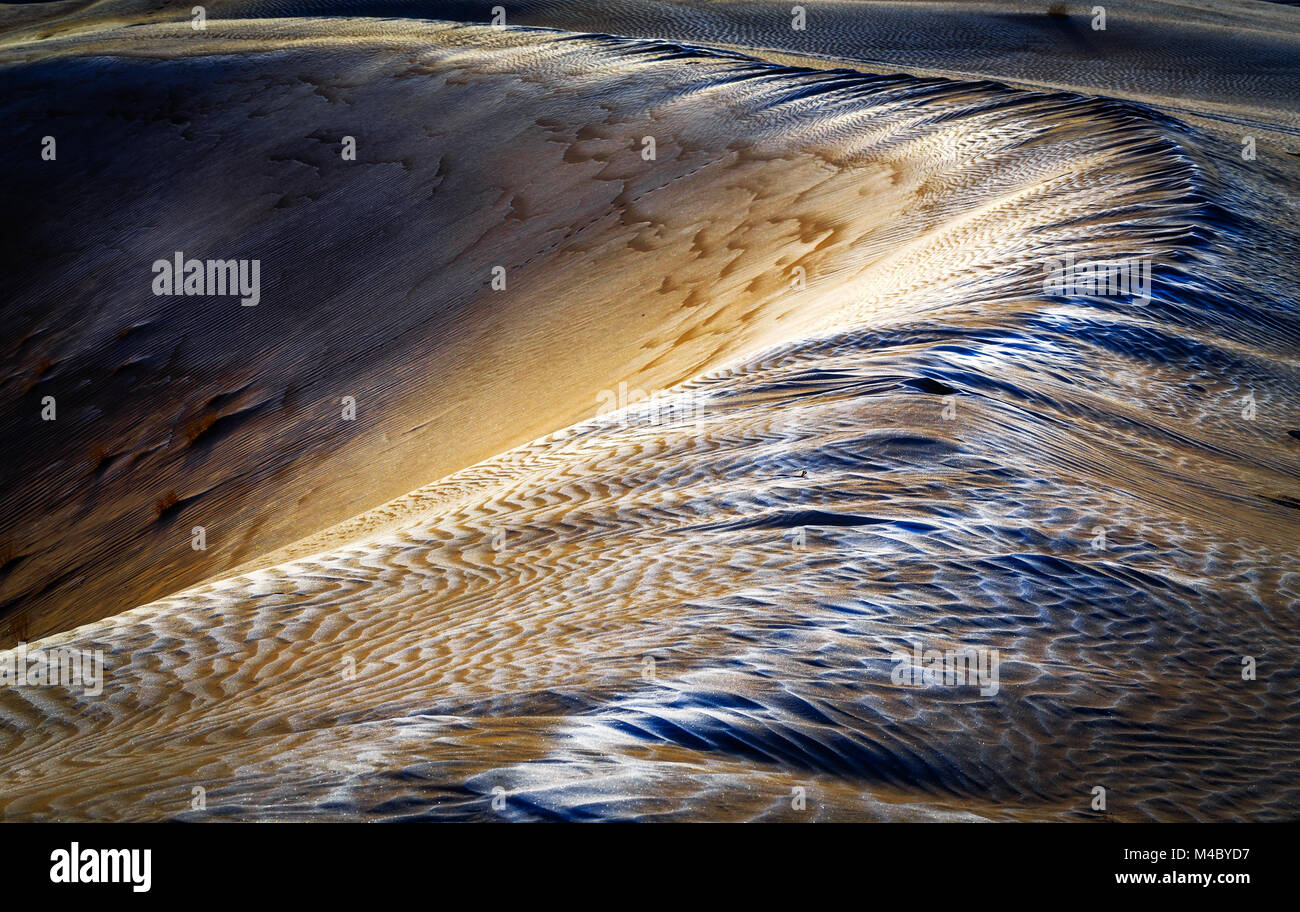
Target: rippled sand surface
{"x": 493, "y": 597}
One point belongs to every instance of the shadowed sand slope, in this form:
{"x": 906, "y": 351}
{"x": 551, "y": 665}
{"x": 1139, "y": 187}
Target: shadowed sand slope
{"x": 377, "y": 273}
{"x": 877, "y": 431}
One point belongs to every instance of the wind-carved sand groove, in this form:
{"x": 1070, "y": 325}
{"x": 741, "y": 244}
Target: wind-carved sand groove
{"x": 797, "y": 510}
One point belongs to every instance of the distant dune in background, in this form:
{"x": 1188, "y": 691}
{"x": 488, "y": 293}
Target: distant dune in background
{"x": 639, "y": 534}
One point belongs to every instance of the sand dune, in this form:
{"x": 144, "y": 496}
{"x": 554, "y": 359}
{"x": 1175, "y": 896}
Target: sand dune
{"x": 873, "y": 426}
